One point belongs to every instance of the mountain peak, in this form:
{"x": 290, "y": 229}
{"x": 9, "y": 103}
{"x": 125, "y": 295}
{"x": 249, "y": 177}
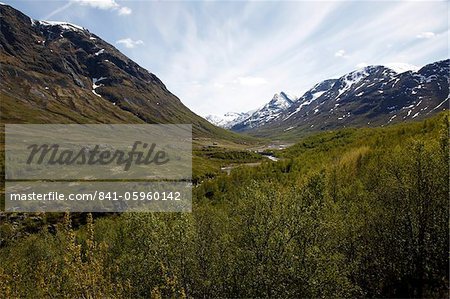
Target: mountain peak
{"x": 281, "y": 100}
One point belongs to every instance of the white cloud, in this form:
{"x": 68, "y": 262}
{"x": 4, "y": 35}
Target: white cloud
{"x": 105, "y": 5}
{"x": 218, "y": 85}
{"x": 251, "y": 81}
{"x": 129, "y": 43}
{"x": 362, "y": 65}
{"x": 58, "y": 10}
{"x": 248, "y": 51}
{"x": 101, "y": 4}
{"x": 124, "y": 11}
{"x": 426, "y": 35}
{"x": 340, "y": 53}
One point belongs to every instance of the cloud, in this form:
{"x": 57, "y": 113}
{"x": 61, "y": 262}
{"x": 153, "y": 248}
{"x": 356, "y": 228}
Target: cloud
{"x": 124, "y": 11}
{"x": 340, "y": 53}
{"x": 249, "y": 50}
{"x": 101, "y": 4}
{"x": 362, "y": 65}
{"x": 251, "y": 81}
{"x": 129, "y": 43}
{"x": 58, "y": 10}
{"x": 105, "y": 5}
{"x": 426, "y": 35}
{"x": 218, "y": 85}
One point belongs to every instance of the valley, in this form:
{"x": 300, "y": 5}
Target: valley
{"x": 341, "y": 192}
{"x": 331, "y": 201}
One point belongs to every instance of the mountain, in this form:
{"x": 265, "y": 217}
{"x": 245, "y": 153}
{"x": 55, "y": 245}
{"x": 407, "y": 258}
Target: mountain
{"x": 56, "y": 72}
{"x": 229, "y": 119}
{"x": 279, "y": 103}
{"x": 402, "y": 67}
{"x": 371, "y": 96}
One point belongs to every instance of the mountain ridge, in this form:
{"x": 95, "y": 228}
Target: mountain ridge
{"x": 372, "y": 95}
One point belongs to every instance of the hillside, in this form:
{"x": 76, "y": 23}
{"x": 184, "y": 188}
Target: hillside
{"x": 54, "y": 72}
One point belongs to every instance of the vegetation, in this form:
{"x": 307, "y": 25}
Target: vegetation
{"x": 350, "y": 213}
{"x": 208, "y": 160}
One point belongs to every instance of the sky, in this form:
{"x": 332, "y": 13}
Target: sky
{"x": 221, "y": 56}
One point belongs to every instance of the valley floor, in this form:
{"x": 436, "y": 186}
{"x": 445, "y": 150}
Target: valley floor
{"x": 348, "y": 213}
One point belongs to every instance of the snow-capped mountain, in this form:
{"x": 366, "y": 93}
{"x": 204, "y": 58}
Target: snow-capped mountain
{"x": 373, "y": 95}
{"x": 311, "y": 95}
{"x": 280, "y": 102}
{"x": 229, "y": 119}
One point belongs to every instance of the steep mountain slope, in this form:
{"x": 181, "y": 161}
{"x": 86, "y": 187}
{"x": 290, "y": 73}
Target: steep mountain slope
{"x": 61, "y": 73}
{"x": 372, "y": 96}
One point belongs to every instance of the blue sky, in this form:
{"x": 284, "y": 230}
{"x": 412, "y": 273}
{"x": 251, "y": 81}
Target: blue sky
{"x": 233, "y": 56}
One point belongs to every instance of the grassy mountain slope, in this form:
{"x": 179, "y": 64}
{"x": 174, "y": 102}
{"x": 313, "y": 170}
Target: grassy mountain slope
{"x": 59, "y": 73}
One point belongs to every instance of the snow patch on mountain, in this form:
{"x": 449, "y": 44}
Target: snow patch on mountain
{"x": 95, "y": 85}
{"x": 351, "y": 79}
{"x": 400, "y": 68}
{"x": 315, "y": 96}
{"x": 64, "y": 25}
{"x": 99, "y": 52}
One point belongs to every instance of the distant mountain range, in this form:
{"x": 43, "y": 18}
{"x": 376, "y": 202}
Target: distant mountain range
{"x": 229, "y": 119}
{"x": 56, "y": 72}
{"x": 370, "y": 96}
{"x": 280, "y": 102}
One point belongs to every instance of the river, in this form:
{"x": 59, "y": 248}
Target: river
{"x": 228, "y": 169}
